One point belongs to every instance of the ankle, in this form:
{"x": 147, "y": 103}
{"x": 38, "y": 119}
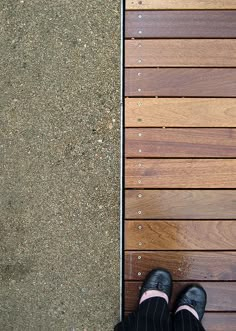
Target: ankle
{"x": 153, "y": 294}
{"x": 190, "y": 309}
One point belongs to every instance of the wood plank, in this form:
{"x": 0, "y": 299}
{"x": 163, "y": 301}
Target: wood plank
{"x": 180, "y": 204}
{"x": 221, "y": 295}
{"x": 180, "y": 173}
{"x": 180, "y": 53}
{"x": 219, "y": 321}
{"x": 184, "y": 265}
{"x": 181, "y": 82}
{"x": 180, "y": 143}
{"x": 179, "y": 4}
{"x": 180, "y": 24}
{"x": 180, "y": 112}
{"x": 180, "y": 235}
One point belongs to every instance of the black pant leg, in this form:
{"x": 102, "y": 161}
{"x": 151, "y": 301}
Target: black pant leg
{"x": 152, "y": 315}
{"x": 186, "y": 321}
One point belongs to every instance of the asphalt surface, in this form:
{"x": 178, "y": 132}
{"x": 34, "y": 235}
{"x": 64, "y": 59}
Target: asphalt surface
{"x": 59, "y": 164}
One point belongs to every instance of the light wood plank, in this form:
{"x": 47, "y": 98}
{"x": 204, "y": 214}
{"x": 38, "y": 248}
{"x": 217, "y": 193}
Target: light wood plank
{"x": 180, "y": 173}
{"x": 181, "y": 82}
{"x": 180, "y": 112}
{"x": 180, "y": 235}
{"x": 181, "y": 24}
{"x": 221, "y": 295}
{"x": 184, "y": 265}
{"x": 180, "y": 143}
{"x": 180, "y": 4}
{"x": 180, "y": 53}
{"x": 180, "y": 204}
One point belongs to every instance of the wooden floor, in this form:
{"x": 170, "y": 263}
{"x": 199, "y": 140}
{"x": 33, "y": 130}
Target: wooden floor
{"x": 180, "y": 149}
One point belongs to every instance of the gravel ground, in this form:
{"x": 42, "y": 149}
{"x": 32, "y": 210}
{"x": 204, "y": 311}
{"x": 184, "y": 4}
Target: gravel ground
{"x": 59, "y": 154}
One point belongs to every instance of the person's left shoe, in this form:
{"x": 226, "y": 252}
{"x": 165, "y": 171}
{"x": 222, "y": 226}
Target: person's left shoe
{"x": 158, "y": 279}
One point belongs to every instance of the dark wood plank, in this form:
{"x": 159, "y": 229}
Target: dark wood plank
{"x": 183, "y": 265}
{"x": 181, "y": 24}
{"x": 180, "y": 143}
{"x": 181, "y": 82}
{"x": 221, "y": 295}
{"x": 180, "y": 235}
{"x": 180, "y": 112}
{"x": 180, "y": 173}
{"x": 180, "y": 53}
{"x": 180, "y": 204}
{"x": 219, "y": 321}
{"x": 179, "y": 4}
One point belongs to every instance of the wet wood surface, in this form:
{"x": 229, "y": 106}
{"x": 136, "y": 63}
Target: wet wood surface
{"x": 183, "y": 265}
{"x": 175, "y": 235}
{"x": 180, "y": 149}
{"x": 220, "y": 294}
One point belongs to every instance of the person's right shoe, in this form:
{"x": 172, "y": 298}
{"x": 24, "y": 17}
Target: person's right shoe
{"x": 158, "y": 279}
{"x": 195, "y": 297}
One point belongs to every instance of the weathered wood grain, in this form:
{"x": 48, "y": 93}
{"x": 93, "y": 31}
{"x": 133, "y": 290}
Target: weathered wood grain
{"x": 180, "y": 143}
{"x": 181, "y": 82}
{"x": 221, "y": 295}
{"x": 180, "y": 112}
{"x": 180, "y": 53}
{"x": 183, "y": 265}
{"x": 180, "y": 235}
{"x": 179, "y": 4}
{"x": 180, "y": 204}
{"x": 181, "y": 24}
{"x": 180, "y": 173}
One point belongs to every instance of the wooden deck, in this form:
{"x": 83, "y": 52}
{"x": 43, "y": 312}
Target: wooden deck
{"x": 180, "y": 149}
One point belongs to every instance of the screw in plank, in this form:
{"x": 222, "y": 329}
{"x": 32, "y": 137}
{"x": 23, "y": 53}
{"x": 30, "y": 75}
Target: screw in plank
{"x": 139, "y": 181}
{"x": 140, "y": 32}
{"x": 140, "y": 151}
{"x": 139, "y": 90}
{"x": 139, "y": 274}
{"x": 139, "y": 74}
{"x": 140, "y": 16}
{"x": 139, "y": 212}
{"x": 139, "y": 257}
{"x": 140, "y": 134}
{"x": 139, "y": 61}
{"x": 140, "y": 227}
{"x": 139, "y": 195}
{"x": 140, "y": 103}
{"x": 140, "y": 165}
{"x": 140, "y": 244}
